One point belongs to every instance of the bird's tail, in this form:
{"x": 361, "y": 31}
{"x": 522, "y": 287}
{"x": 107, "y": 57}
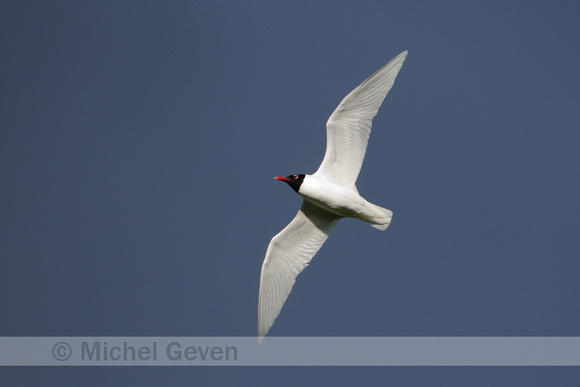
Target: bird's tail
{"x": 382, "y": 219}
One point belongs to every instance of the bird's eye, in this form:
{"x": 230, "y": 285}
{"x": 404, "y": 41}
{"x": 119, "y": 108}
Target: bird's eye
{"x": 295, "y": 177}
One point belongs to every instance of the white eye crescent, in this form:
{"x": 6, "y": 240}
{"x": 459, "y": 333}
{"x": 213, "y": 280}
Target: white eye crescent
{"x": 295, "y": 177}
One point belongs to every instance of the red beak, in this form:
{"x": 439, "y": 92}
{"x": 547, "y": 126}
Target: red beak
{"x": 281, "y": 178}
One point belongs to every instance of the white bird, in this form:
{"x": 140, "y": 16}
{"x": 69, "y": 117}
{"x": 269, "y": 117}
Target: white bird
{"x": 329, "y": 194}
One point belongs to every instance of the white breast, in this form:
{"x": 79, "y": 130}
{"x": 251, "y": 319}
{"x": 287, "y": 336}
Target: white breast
{"x": 333, "y": 197}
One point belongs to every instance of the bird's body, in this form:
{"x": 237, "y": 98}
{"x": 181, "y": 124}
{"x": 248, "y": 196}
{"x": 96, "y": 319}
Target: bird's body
{"x": 329, "y": 194}
{"x": 342, "y": 201}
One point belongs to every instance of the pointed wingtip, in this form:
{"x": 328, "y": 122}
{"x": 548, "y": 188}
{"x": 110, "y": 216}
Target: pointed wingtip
{"x": 402, "y": 55}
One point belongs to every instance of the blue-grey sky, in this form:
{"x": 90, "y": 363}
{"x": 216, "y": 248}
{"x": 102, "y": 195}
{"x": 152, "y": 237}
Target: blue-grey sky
{"x": 139, "y": 141}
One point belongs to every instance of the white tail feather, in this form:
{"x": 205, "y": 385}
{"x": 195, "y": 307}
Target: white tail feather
{"x": 382, "y": 222}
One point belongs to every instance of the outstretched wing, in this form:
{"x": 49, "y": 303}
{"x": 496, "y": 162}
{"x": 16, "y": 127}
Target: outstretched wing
{"x": 349, "y": 127}
{"x": 288, "y": 254}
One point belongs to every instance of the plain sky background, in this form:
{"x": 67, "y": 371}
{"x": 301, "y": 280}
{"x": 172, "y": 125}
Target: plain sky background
{"x": 139, "y": 141}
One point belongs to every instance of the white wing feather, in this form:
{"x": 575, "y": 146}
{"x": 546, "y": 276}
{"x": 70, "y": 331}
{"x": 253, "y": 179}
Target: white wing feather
{"x": 288, "y": 254}
{"x": 349, "y": 126}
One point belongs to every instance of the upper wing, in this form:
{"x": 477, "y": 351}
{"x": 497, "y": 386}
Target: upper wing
{"x": 288, "y": 253}
{"x": 349, "y": 127}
